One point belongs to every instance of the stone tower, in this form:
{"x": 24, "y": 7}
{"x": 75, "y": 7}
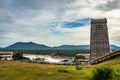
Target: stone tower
{"x": 99, "y": 42}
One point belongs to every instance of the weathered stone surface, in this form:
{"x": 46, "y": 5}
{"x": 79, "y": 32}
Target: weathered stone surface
{"x": 99, "y": 41}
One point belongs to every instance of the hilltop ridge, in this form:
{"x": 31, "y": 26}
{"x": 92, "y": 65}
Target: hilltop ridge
{"x": 35, "y": 46}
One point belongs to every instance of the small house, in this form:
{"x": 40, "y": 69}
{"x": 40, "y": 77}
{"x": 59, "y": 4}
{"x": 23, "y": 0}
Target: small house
{"x": 6, "y": 55}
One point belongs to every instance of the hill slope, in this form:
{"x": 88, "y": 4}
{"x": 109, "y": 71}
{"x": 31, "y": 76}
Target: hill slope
{"x": 35, "y": 46}
{"x": 72, "y": 47}
{"x": 13, "y": 70}
{"x": 112, "y": 62}
{"x": 114, "y": 47}
{"x": 27, "y": 46}
{"x": 113, "y": 59}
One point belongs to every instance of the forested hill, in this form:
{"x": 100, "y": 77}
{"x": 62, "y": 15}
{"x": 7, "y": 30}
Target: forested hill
{"x": 35, "y": 46}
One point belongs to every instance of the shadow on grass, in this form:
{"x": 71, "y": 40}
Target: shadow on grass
{"x": 63, "y": 71}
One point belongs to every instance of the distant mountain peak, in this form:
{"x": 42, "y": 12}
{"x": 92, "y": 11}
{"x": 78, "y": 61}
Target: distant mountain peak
{"x": 27, "y": 46}
{"x": 34, "y": 46}
{"x": 31, "y": 42}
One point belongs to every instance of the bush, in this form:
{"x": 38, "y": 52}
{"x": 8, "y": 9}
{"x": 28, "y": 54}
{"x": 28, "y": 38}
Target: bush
{"x": 79, "y": 67}
{"x": 19, "y": 56}
{"x": 103, "y": 73}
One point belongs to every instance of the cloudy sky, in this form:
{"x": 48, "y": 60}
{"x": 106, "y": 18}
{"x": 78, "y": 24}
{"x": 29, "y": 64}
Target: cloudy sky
{"x": 56, "y": 22}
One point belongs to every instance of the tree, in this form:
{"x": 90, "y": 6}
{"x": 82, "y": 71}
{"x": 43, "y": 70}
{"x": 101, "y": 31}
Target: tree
{"x": 19, "y": 56}
{"x": 80, "y": 57}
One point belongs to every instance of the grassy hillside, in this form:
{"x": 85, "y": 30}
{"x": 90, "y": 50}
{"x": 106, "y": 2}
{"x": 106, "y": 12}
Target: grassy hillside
{"x": 12, "y": 70}
{"x": 112, "y": 62}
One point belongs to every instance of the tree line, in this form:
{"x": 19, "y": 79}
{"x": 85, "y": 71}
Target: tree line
{"x": 68, "y": 53}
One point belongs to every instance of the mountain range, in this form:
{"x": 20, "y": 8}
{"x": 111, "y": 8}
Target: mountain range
{"x": 35, "y": 46}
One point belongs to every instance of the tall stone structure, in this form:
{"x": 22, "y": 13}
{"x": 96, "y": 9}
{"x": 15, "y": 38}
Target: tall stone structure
{"x": 99, "y": 42}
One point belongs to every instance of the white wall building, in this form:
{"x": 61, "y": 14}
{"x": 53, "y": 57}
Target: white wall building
{"x": 46, "y": 58}
{"x": 6, "y": 55}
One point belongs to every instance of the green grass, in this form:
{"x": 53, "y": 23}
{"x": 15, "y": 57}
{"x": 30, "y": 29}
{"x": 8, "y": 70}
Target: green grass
{"x": 14, "y": 70}
{"x": 29, "y": 71}
{"x": 112, "y": 63}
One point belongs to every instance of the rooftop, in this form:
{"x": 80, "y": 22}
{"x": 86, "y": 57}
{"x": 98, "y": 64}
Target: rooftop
{"x": 98, "y": 20}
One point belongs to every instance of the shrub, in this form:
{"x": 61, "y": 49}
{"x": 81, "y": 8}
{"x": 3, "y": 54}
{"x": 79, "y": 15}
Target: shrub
{"x": 79, "y": 67}
{"x": 103, "y": 73}
{"x": 19, "y": 56}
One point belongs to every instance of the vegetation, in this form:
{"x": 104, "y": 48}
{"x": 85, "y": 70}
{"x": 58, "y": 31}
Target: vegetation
{"x": 80, "y": 57}
{"x": 19, "y": 56}
{"x": 16, "y": 70}
{"x": 103, "y": 73}
{"x": 114, "y": 63}
{"x": 78, "y": 67}
{"x": 68, "y": 53}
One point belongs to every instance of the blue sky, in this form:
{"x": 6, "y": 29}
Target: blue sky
{"x": 56, "y": 22}
{"x": 77, "y": 23}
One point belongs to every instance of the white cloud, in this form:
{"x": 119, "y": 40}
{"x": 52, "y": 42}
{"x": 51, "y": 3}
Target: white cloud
{"x": 40, "y": 21}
